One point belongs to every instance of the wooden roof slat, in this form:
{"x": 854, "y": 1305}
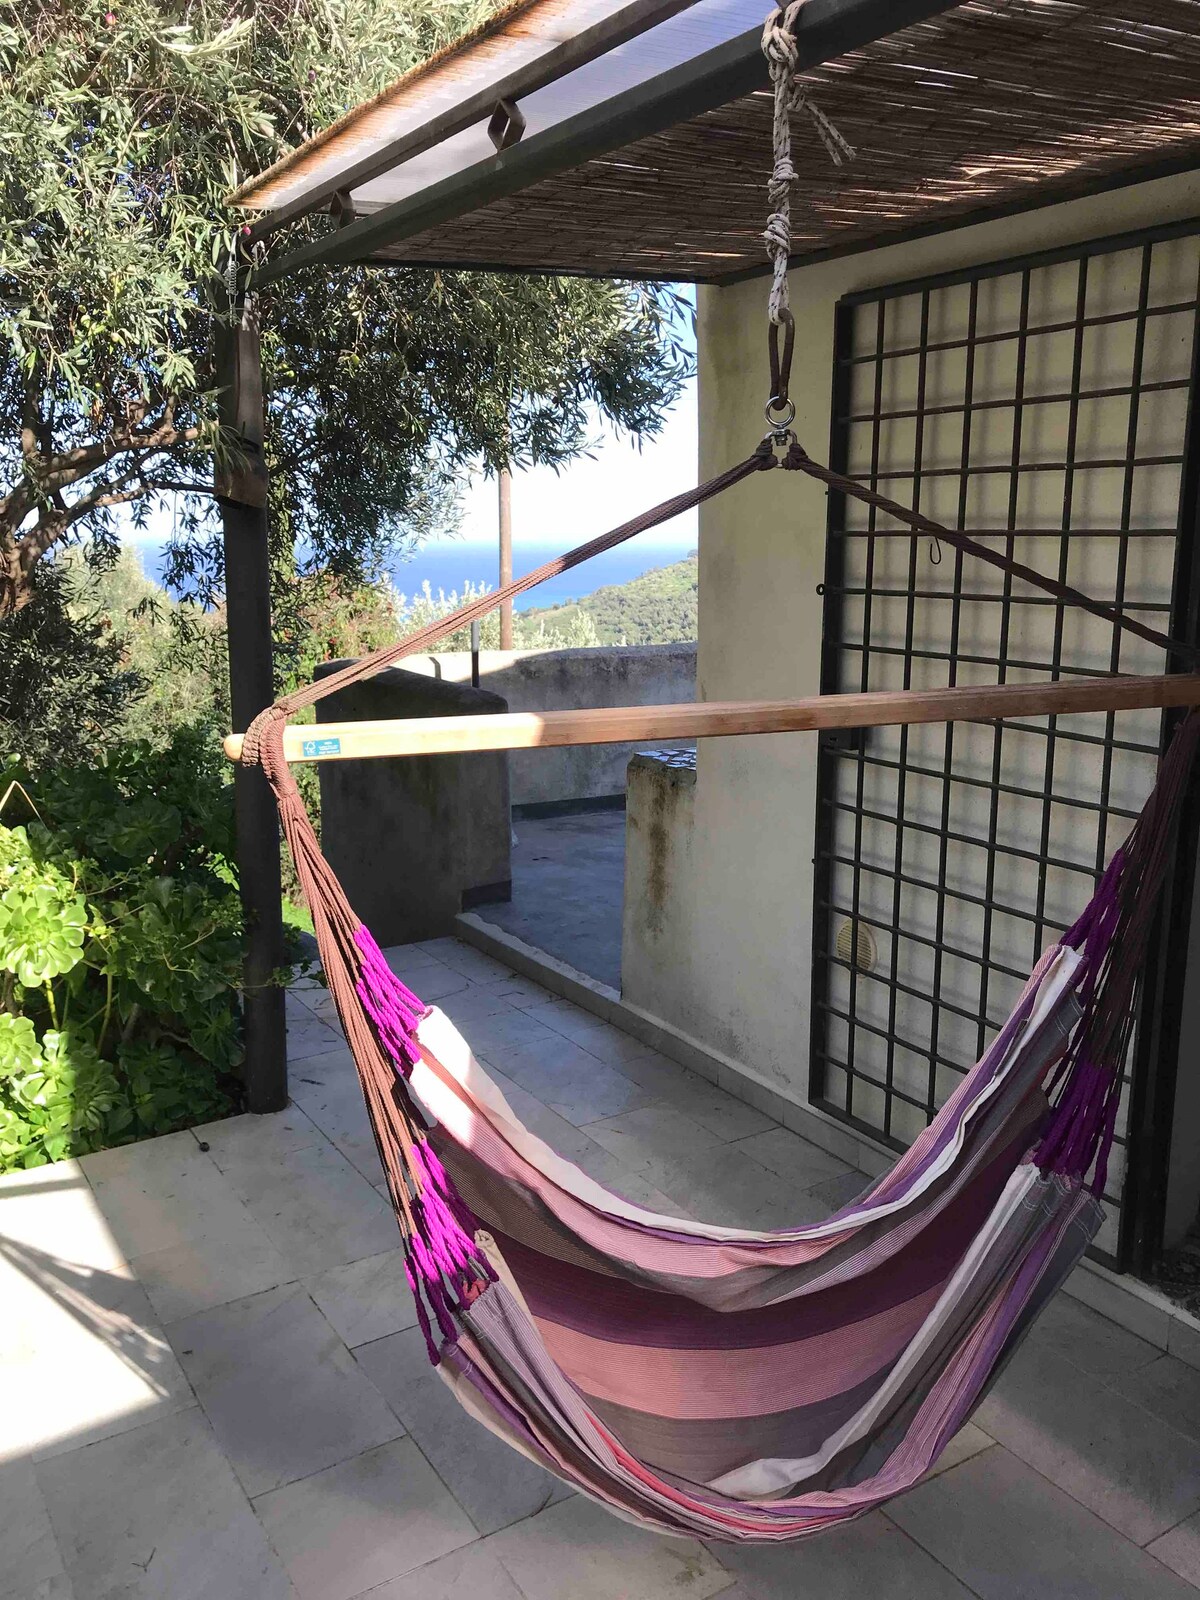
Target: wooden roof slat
{"x": 959, "y": 111}
{"x": 986, "y": 107}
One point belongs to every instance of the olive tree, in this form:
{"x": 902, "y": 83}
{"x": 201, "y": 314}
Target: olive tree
{"x": 124, "y": 126}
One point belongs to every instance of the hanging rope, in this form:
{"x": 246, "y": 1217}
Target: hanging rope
{"x": 791, "y": 95}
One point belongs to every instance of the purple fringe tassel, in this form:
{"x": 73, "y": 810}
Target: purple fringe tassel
{"x": 391, "y": 1005}
{"x": 441, "y": 1263}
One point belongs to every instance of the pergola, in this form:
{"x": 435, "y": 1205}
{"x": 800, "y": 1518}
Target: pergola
{"x": 631, "y": 139}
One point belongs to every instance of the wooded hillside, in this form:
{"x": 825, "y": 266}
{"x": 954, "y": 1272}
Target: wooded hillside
{"x": 657, "y": 608}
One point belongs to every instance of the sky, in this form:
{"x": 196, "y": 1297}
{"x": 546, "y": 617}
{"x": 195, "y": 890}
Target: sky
{"x": 553, "y": 511}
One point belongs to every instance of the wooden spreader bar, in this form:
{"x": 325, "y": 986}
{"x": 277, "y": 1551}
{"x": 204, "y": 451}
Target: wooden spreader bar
{"x": 527, "y": 730}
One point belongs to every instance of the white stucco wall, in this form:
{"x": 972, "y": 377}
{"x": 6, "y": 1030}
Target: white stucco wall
{"x": 733, "y": 951}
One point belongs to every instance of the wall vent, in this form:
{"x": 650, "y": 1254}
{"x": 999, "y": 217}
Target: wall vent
{"x": 859, "y": 950}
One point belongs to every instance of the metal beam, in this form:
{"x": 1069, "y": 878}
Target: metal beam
{"x": 242, "y": 495}
{"x": 575, "y": 52}
{"x": 825, "y": 30}
{"x": 669, "y": 273}
{"x": 723, "y": 278}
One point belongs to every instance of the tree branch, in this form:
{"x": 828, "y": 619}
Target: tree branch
{"x": 69, "y": 466}
{"x": 170, "y": 485}
{"x": 56, "y": 519}
{"x": 114, "y": 499}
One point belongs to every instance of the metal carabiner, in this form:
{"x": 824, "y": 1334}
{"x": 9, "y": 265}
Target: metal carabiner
{"x": 781, "y": 365}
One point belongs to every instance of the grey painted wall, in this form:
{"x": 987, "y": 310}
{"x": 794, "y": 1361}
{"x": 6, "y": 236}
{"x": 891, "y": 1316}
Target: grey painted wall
{"x": 660, "y": 886}
{"x": 562, "y": 680}
{"x": 415, "y": 840}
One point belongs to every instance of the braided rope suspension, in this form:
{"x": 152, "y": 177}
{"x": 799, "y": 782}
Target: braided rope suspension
{"x": 782, "y": 53}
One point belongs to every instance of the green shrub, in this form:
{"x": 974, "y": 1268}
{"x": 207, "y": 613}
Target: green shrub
{"x": 544, "y": 630}
{"x": 65, "y": 680}
{"x": 660, "y": 607}
{"x": 120, "y": 949}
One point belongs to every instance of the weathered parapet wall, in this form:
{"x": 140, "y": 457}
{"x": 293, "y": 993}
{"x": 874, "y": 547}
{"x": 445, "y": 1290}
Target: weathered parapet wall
{"x": 657, "y": 953}
{"x": 563, "y": 680}
{"x": 415, "y": 840}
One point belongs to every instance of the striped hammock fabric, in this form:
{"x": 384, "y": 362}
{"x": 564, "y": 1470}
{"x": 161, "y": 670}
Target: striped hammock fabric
{"x": 713, "y": 1381}
{"x": 741, "y": 1385}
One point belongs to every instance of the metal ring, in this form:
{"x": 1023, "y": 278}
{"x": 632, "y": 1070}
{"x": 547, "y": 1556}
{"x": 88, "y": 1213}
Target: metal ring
{"x": 786, "y": 410}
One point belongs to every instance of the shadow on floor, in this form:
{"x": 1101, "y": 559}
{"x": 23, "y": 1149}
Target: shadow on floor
{"x": 106, "y": 1305}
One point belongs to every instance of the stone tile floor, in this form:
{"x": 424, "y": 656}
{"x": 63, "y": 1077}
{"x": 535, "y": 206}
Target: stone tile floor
{"x": 211, "y": 1388}
{"x": 568, "y": 885}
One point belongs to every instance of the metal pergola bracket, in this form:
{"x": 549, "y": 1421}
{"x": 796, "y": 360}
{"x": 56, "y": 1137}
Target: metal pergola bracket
{"x": 576, "y": 51}
{"x": 506, "y": 125}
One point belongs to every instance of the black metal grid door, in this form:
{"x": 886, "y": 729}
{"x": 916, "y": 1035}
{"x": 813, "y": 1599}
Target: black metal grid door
{"x": 1046, "y": 405}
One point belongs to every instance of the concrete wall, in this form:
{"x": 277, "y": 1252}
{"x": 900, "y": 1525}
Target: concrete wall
{"x": 732, "y": 951}
{"x": 563, "y": 680}
{"x": 418, "y": 839}
{"x": 661, "y": 884}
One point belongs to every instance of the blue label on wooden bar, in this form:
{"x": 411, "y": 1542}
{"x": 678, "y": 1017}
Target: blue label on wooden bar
{"x": 321, "y": 747}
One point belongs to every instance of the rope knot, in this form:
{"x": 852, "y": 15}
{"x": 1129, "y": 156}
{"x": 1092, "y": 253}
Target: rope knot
{"x": 258, "y": 737}
{"x": 783, "y": 175}
{"x": 782, "y": 51}
{"x": 779, "y": 35}
{"x": 776, "y": 233}
{"x": 263, "y": 746}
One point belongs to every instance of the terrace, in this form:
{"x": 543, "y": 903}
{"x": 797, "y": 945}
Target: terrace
{"x": 212, "y": 1381}
{"x": 568, "y": 874}
{"x": 212, "y": 1384}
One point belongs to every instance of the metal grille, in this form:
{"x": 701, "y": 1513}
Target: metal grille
{"x": 1043, "y": 405}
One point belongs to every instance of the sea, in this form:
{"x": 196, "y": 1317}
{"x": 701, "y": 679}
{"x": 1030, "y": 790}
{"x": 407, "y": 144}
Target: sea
{"x": 450, "y": 564}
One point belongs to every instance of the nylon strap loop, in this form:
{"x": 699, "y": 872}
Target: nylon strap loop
{"x": 781, "y": 365}
{"x": 797, "y": 459}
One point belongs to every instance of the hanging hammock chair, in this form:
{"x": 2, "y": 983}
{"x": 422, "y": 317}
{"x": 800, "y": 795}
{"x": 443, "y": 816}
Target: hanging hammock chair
{"x": 715, "y": 1381}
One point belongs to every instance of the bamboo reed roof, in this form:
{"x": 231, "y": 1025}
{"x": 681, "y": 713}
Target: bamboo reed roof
{"x": 986, "y": 107}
